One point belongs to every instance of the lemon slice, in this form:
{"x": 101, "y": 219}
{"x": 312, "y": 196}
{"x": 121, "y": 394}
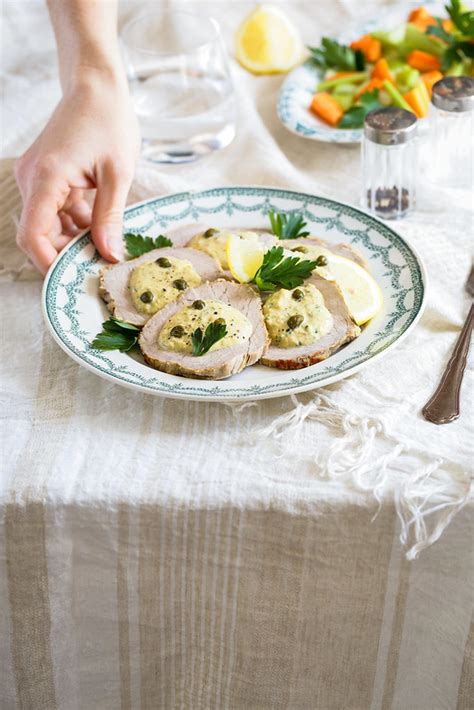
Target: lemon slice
{"x": 267, "y": 42}
{"x": 361, "y": 292}
{"x": 245, "y": 257}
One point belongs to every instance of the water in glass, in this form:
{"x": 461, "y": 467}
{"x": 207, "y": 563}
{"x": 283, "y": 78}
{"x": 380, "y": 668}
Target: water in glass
{"x": 182, "y": 91}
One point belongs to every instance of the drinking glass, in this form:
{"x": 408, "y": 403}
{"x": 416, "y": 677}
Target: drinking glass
{"x": 180, "y": 84}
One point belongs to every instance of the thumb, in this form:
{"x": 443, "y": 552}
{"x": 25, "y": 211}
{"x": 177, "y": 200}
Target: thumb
{"x": 113, "y": 184}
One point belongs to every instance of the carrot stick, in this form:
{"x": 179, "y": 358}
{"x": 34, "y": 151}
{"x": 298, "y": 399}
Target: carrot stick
{"x": 448, "y": 25}
{"x": 381, "y": 70}
{"x": 327, "y": 108}
{"x": 430, "y": 78}
{"x": 423, "y": 61}
{"x": 417, "y": 101}
{"x": 421, "y": 18}
{"x": 340, "y": 75}
{"x": 375, "y": 83}
{"x": 370, "y": 47}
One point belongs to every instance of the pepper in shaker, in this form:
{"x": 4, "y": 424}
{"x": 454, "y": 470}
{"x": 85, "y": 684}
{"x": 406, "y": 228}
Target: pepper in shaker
{"x": 389, "y": 162}
{"x": 451, "y": 154}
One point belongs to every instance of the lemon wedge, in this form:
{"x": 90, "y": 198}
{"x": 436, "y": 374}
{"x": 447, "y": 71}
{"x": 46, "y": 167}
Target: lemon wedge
{"x": 361, "y": 292}
{"x": 267, "y": 42}
{"x": 245, "y": 257}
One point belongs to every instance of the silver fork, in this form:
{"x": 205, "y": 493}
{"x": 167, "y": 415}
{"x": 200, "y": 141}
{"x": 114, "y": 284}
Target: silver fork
{"x": 443, "y": 406}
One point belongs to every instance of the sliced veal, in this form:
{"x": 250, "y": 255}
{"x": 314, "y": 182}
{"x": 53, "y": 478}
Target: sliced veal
{"x": 182, "y": 235}
{"x": 114, "y": 279}
{"x": 216, "y": 364}
{"x": 342, "y": 331}
{"x": 312, "y": 244}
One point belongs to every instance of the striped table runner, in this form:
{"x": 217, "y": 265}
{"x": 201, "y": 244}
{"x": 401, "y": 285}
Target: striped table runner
{"x": 157, "y": 554}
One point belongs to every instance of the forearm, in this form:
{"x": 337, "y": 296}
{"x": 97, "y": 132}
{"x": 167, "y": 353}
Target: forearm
{"x": 91, "y": 140}
{"x": 86, "y": 37}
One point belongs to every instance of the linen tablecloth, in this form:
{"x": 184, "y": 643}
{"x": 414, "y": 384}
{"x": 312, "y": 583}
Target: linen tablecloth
{"x": 311, "y": 553}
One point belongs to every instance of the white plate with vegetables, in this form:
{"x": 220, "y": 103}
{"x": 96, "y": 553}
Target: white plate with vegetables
{"x": 392, "y": 62}
{"x": 262, "y": 292}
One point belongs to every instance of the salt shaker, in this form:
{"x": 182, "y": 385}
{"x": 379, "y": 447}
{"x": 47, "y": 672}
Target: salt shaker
{"x": 389, "y": 162}
{"x": 451, "y": 151}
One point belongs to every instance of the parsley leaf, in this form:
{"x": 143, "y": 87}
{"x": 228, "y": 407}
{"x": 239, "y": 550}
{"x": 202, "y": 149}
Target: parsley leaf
{"x": 457, "y": 49}
{"x": 287, "y": 226}
{"x": 463, "y": 21}
{"x": 214, "y": 332}
{"x": 439, "y": 31}
{"x": 355, "y": 116}
{"x": 457, "y": 52}
{"x": 277, "y": 271}
{"x": 333, "y": 55}
{"x": 138, "y": 244}
{"x": 116, "y": 335}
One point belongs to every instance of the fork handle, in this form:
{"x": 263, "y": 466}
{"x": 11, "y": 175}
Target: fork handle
{"x": 443, "y": 407}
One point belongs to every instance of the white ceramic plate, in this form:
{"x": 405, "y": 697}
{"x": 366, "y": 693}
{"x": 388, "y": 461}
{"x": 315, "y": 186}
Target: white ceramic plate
{"x": 300, "y": 85}
{"x": 74, "y": 312}
{"x": 292, "y": 107}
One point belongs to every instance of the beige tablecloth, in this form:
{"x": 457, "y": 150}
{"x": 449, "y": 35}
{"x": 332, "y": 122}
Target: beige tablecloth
{"x": 310, "y": 553}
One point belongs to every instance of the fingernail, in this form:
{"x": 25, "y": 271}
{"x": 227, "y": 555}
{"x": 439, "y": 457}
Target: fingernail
{"x": 116, "y": 247}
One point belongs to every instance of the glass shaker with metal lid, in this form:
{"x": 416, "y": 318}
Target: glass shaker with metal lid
{"x": 389, "y": 162}
{"x": 451, "y": 151}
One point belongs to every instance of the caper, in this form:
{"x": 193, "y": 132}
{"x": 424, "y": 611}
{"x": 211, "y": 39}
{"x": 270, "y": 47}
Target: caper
{"x": 294, "y": 321}
{"x": 303, "y": 250}
{"x": 321, "y": 260}
{"x": 297, "y": 294}
{"x": 163, "y": 262}
{"x": 177, "y": 331}
{"x": 220, "y": 321}
{"x": 180, "y": 284}
{"x": 198, "y": 305}
{"x": 210, "y": 233}
{"x": 146, "y": 297}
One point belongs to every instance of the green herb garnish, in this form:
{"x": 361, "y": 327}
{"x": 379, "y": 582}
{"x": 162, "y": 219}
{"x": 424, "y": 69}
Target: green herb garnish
{"x": 355, "y": 116}
{"x": 460, "y": 45}
{"x": 137, "y": 244}
{"x": 332, "y": 55}
{"x": 116, "y": 335}
{"x": 214, "y": 332}
{"x": 278, "y": 271}
{"x": 287, "y": 226}
{"x": 462, "y": 19}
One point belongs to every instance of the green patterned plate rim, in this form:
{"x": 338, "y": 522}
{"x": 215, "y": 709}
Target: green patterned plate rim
{"x": 73, "y": 310}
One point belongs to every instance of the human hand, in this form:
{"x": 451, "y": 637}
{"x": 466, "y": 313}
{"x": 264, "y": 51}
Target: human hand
{"x": 91, "y": 141}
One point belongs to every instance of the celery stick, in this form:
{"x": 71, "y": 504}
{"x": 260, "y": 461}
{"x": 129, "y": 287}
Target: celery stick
{"x": 344, "y": 100}
{"x": 384, "y": 98}
{"x": 456, "y": 69}
{"x": 395, "y": 64}
{"x": 406, "y": 78}
{"x": 415, "y": 39}
{"x": 396, "y": 96}
{"x": 424, "y": 92}
{"x": 392, "y": 38}
{"x": 332, "y": 83}
{"x": 346, "y": 89}
{"x": 468, "y": 67}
